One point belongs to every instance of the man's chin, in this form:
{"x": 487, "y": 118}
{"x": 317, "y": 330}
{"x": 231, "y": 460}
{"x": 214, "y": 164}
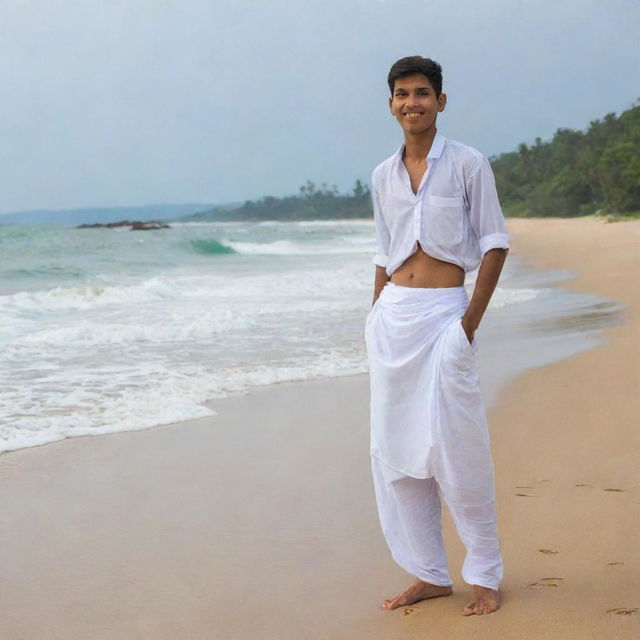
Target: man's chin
{"x": 415, "y": 128}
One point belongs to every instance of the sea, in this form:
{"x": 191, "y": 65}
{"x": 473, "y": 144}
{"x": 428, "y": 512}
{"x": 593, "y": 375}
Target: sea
{"x": 105, "y": 330}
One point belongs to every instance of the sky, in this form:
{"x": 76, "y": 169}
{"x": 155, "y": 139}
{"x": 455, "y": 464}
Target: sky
{"x": 138, "y": 102}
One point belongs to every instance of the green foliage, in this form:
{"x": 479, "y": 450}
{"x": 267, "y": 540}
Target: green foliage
{"x": 312, "y": 203}
{"x": 576, "y": 173}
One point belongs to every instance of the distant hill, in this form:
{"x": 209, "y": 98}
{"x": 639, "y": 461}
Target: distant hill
{"x": 102, "y": 214}
{"x": 576, "y": 173}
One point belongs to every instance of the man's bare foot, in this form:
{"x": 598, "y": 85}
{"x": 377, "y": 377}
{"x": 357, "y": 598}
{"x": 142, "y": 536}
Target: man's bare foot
{"x": 419, "y": 591}
{"x": 483, "y": 600}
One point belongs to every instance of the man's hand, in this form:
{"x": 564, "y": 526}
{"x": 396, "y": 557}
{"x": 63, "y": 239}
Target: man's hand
{"x": 381, "y": 279}
{"x": 486, "y": 282}
{"x": 468, "y": 329}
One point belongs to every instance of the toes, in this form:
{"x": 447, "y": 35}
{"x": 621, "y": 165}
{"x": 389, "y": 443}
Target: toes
{"x": 491, "y": 607}
{"x": 468, "y": 610}
{"x": 392, "y": 603}
{"x": 481, "y": 605}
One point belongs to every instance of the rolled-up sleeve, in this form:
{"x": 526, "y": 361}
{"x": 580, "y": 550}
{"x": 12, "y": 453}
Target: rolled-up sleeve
{"x": 485, "y": 213}
{"x": 383, "y": 237}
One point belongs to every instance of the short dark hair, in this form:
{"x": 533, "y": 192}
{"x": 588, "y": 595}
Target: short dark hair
{"x": 416, "y": 64}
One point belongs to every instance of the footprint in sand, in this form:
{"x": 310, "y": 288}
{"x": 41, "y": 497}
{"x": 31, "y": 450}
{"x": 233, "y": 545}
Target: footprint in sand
{"x": 548, "y": 551}
{"x": 544, "y": 582}
{"x": 586, "y": 486}
{"x": 525, "y": 495}
{"x": 407, "y": 611}
{"x": 623, "y": 611}
{"x": 611, "y": 564}
{"x": 618, "y": 490}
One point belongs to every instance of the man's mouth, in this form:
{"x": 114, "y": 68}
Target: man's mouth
{"x": 412, "y": 115}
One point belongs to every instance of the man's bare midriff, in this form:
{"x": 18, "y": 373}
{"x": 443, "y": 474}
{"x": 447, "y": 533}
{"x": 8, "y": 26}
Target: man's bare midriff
{"x": 422, "y": 270}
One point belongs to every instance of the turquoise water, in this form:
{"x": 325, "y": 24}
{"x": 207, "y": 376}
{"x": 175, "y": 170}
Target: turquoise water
{"x": 105, "y": 330}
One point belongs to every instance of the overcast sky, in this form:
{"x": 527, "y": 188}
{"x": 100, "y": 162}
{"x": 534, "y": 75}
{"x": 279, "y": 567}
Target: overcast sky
{"x": 133, "y": 102}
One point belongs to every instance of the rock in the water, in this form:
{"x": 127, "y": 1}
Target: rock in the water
{"x": 146, "y": 226}
{"x": 136, "y": 225}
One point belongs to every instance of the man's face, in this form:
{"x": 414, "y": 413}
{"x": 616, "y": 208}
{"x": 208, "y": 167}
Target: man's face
{"x": 414, "y": 103}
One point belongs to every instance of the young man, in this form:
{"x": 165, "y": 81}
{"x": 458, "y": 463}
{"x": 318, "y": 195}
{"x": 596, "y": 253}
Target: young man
{"x": 437, "y": 216}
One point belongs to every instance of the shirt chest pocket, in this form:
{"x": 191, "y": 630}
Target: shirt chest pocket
{"x": 445, "y": 219}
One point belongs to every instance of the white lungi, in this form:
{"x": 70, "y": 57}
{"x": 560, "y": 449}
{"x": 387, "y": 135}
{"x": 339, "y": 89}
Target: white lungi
{"x": 429, "y": 433}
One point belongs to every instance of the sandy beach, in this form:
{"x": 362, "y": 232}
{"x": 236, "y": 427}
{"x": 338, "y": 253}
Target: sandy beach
{"x": 261, "y": 522}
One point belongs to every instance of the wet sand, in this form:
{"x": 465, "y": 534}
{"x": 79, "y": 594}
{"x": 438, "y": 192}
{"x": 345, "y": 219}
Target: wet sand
{"x": 261, "y": 521}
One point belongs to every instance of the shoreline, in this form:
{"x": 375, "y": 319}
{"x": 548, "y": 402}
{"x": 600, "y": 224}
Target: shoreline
{"x": 73, "y": 390}
{"x": 572, "y": 322}
{"x": 207, "y": 527}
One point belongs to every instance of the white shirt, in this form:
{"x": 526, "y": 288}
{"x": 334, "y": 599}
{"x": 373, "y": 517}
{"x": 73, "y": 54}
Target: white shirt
{"x": 455, "y": 215}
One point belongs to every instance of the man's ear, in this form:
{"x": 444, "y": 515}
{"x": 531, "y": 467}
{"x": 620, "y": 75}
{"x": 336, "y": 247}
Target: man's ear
{"x": 390, "y": 106}
{"x": 442, "y": 102}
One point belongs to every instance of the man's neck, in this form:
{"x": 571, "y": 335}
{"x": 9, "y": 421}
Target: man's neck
{"x": 417, "y": 146}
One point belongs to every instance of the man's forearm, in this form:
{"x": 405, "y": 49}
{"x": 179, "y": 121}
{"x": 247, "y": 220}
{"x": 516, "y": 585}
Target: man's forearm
{"x": 486, "y": 282}
{"x": 381, "y": 279}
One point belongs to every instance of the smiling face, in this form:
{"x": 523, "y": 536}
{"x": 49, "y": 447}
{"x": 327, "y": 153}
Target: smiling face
{"x": 415, "y": 105}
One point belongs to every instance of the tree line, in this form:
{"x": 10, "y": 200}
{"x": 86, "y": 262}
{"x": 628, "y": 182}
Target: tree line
{"x": 311, "y": 203}
{"x": 576, "y": 173}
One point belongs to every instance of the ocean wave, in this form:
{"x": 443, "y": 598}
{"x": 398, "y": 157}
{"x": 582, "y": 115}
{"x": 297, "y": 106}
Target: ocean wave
{"x": 88, "y": 296}
{"x": 89, "y": 409}
{"x": 291, "y": 248}
{"x": 211, "y": 247}
{"x": 141, "y": 329}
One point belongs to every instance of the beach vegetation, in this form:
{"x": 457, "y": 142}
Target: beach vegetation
{"x": 313, "y": 202}
{"x": 576, "y": 173}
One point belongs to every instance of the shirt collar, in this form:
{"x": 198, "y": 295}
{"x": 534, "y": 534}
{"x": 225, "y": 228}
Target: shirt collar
{"x": 437, "y": 146}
